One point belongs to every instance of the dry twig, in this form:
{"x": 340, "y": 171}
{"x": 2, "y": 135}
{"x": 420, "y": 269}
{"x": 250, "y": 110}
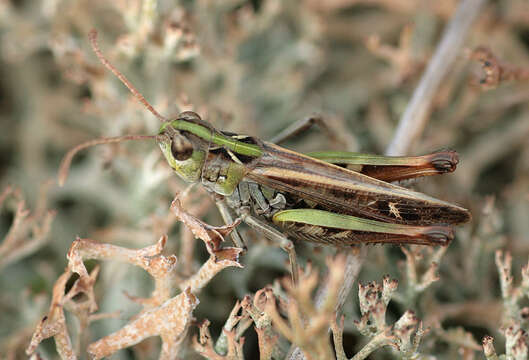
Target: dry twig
{"x": 163, "y": 315}
{"x": 308, "y": 324}
{"x": 415, "y": 116}
{"x": 29, "y": 231}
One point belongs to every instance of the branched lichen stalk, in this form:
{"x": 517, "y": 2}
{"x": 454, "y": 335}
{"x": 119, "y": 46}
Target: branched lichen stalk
{"x": 353, "y": 265}
{"x": 380, "y": 340}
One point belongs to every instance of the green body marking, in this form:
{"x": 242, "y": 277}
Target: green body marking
{"x": 338, "y": 221}
{"x": 209, "y": 135}
{"x": 353, "y": 158}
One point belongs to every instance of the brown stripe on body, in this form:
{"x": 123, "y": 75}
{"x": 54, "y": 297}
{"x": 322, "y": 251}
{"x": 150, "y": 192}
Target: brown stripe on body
{"x": 349, "y": 192}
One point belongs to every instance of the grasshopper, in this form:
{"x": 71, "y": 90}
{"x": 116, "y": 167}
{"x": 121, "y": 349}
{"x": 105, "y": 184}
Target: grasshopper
{"x": 335, "y": 198}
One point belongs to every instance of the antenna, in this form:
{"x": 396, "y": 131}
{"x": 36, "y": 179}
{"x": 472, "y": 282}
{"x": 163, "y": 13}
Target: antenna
{"x": 92, "y": 36}
{"x": 67, "y": 160}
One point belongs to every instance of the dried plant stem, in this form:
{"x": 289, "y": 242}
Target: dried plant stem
{"x": 353, "y": 264}
{"x": 354, "y": 261}
{"x": 337, "y": 336}
{"x": 415, "y": 116}
{"x": 377, "y": 342}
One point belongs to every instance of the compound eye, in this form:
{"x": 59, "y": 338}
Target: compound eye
{"x": 181, "y": 148}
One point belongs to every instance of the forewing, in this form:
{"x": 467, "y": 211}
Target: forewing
{"x": 348, "y": 192}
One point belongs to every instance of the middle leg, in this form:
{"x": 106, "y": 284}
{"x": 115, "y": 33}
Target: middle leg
{"x": 272, "y": 234}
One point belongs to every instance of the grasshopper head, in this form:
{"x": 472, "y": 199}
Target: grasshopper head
{"x": 183, "y": 156}
{"x": 180, "y": 148}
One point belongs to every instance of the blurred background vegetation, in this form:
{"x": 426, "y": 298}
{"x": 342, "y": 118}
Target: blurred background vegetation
{"x": 251, "y": 67}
